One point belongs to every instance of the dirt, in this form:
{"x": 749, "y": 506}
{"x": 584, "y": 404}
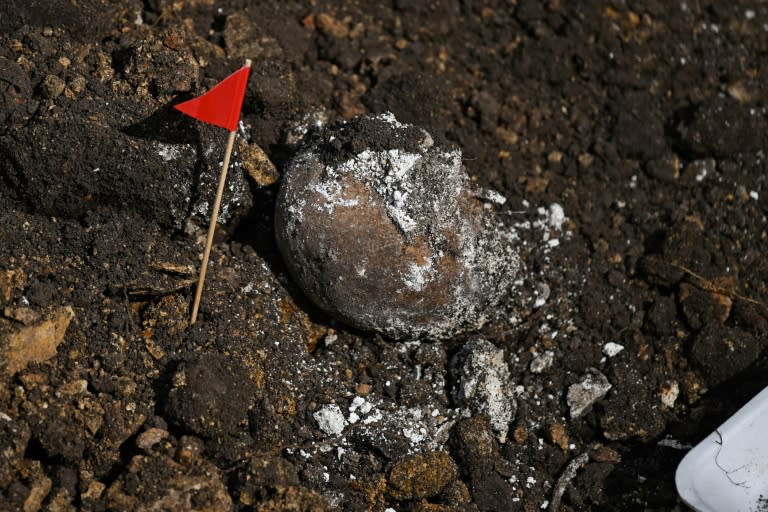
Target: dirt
{"x": 628, "y": 138}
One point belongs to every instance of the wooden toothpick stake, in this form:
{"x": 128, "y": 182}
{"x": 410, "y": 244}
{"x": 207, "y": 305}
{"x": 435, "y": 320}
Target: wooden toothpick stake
{"x": 212, "y": 227}
{"x": 220, "y": 107}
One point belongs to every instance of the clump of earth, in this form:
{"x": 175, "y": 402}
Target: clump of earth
{"x": 382, "y": 229}
{"x": 628, "y": 139}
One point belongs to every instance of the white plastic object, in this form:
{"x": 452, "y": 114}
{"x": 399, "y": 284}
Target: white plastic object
{"x": 728, "y": 471}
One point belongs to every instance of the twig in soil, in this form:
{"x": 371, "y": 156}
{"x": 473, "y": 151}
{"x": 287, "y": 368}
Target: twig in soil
{"x": 709, "y": 286}
{"x": 127, "y": 303}
{"x": 562, "y": 483}
{"x": 145, "y": 292}
{"x": 717, "y": 463}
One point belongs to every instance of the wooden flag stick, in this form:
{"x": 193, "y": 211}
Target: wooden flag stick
{"x": 212, "y": 226}
{"x": 214, "y": 219}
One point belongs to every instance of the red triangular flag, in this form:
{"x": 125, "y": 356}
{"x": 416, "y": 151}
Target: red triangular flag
{"x": 221, "y": 105}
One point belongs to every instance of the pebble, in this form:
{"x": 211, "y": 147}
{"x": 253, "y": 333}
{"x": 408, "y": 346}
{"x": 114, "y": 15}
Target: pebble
{"x": 258, "y": 165}
{"x": 666, "y": 168}
{"x": 34, "y": 343}
{"x": 592, "y": 387}
{"x": 668, "y": 393}
{"x": 329, "y": 25}
{"x": 485, "y": 385}
{"x": 698, "y": 170}
{"x": 558, "y": 435}
{"x": 611, "y": 349}
{"x": 382, "y": 230}
{"x": 421, "y": 476}
{"x": 330, "y": 419}
{"x": 150, "y": 437}
{"x": 542, "y": 362}
{"x": 52, "y": 87}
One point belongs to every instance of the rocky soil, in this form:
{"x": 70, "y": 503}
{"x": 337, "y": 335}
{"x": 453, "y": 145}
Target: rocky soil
{"x": 627, "y": 137}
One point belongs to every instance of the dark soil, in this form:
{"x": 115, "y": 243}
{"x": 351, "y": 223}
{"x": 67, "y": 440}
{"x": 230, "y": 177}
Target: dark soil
{"x": 645, "y": 121}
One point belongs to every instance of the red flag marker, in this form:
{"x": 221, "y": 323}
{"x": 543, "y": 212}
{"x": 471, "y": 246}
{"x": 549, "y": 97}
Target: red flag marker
{"x": 220, "y": 107}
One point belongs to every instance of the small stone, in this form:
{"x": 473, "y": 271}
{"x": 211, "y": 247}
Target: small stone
{"x": 52, "y": 87}
{"x": 555, "y": 157}
{"x": 669, "y": 392}
{"x": 611, "y": 349}
{"x": 190, "y": 449}
{"x": 484, "y": 384}
{"x": 740, "y": 93}
{"x": 37, "y": 494}
{"x": 34, "y": 343}
{"x": 77, "y": 84}
{"x": 421, "y": 476}
{"x": 363, "y": 389}
{"x": 74, "y": 388}
{"x": 330, "y": 419}
{"x": 666, "y": 169}
{"x": 542, "y": 362}
{"x": 602, "y": 453}
{"x": 94, "y": 491}
{"x": 258, "y": 165}
{"x": 520, "y": 435}
{"x": 592, "y": 387}
{"x": 11, "y": 281}
{"x": 149, "y": 438}
{"x": 698, "y": 170}
{"x": 382, "y": 230}
{"x": 558, "y": 436}
{"x": 585, "y": 160}
{"x": 329, "y": 25}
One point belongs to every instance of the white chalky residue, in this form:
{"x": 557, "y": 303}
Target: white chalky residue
{"x": 395, "y": 189}
{"x": 556, "y": 216}
{"x": 611, "y": 349}
{"x": 542, "y": 362}
{"x": 330, "y": 419}
{"x": 551, "y": 220}
{"x": 168, "y": 152}
{"x": 419, "y": 275}
{"x": 375, "y": 417}
{"x": 333, "y": 193}
{"x": 417, "y": 426}
{"x": 493, "y": 196}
